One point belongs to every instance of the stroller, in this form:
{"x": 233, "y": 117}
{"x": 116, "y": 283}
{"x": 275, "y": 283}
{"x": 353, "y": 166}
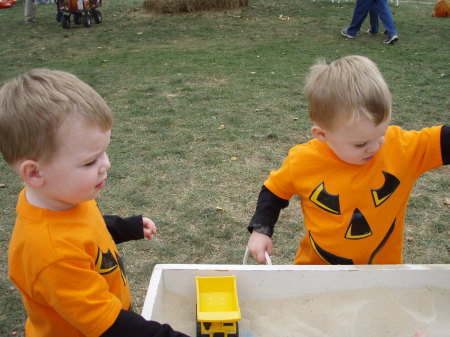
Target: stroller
{"x": 82, "y": 11}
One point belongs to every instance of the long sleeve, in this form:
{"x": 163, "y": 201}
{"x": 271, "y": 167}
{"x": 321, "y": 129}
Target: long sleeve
{"x": 445, "y": 144}
{"x": 124, "y": 229}
{"x": 267, "y": 212}
{"x": 129, "y": 323}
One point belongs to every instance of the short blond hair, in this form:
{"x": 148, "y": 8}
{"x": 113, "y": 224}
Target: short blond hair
{"x": 345, "y": 90}
{"x": 34, "y": 105}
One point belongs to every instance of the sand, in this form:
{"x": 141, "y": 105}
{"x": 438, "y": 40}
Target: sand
{"x": 374, "y": 312}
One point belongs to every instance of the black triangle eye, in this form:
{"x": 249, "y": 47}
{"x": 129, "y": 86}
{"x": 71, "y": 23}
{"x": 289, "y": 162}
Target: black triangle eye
{"x": 382, "y": 194}
{"x": 325, "y": 200}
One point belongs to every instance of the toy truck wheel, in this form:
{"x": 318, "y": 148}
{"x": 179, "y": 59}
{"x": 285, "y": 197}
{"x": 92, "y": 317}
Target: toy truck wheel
{"x": 199, "y": 331}
{"x": 86, "y": 20}
{"x": 237, "y": 331}
{"x": 65, "y": 21}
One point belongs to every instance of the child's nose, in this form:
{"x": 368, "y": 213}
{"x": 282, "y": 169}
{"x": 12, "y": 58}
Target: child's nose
{"x": 105, "y": 164}
{"x": 108, "y": 163}
{"x": 375, "y": 146}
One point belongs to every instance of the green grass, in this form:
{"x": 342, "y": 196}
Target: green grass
{"x": 173, "y": 80}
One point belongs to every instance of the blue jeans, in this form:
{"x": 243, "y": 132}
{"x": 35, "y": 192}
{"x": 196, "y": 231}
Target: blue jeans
{"x": 362, "y": 8}
{"x": 373, "y": 17}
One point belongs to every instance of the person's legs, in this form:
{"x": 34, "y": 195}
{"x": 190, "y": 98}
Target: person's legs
{"x": 362, "y": 7}
{"x": 382, "y": 7}
{"x": 30, "y": 11}
{"x": 374, "y": 25}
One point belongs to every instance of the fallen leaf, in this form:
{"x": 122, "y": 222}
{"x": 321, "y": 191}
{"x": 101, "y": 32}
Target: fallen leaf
{"x": 284, "y": 17}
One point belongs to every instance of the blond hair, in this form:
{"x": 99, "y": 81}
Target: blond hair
{"x": 345, "y": 90}
{"x": 34, "y": 105}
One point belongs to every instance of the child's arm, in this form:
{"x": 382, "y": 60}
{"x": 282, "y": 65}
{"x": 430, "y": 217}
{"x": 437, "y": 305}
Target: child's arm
{"x": 445, "y": 144}
{"x": 263, "y": 222}
{"x": 125, "y": 229}
{"x": 129, "y": 323}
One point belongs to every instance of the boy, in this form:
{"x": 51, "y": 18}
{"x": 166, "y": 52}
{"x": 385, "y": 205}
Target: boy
{"x": 355, "y": 177}
{"x": 54, "y": 132}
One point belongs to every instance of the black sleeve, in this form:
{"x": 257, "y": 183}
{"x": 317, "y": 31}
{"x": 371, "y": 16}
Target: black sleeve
{"x": 124, "y": 229}
{"x": 129, "y": 323}
{"x": 267, "y": 212}
{"x": 445, "y": 144}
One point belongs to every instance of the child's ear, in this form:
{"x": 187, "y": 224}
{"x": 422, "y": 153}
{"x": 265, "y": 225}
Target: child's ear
{"x": 318, "y": 133}
{"x": 29, "y": 171}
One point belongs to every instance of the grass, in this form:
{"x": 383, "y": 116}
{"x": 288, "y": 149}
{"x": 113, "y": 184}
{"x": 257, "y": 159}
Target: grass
{"x": 174, "y": 80}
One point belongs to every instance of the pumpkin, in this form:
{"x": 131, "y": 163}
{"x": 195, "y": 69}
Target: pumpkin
{"x": 442, "y": 8}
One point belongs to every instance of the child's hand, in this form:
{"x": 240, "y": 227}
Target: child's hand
{"x": 149, "y": 228}
{"x": 258, "y": 244}
{"x": 420, "y": 334}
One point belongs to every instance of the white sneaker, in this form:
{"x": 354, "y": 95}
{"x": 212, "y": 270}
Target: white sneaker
{"x": 391, "y": 40}
{"x": 344, "y": 33}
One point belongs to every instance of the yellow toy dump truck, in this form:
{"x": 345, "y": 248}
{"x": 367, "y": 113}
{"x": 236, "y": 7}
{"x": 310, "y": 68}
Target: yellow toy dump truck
{"x": 218, "y": 310}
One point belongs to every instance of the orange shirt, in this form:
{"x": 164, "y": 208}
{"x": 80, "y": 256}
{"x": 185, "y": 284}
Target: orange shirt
{"x": 68, "y": 270}
{"x": 354, "y": 214}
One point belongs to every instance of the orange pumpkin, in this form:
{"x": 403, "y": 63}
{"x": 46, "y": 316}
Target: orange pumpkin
{"x": 442, "y": 8}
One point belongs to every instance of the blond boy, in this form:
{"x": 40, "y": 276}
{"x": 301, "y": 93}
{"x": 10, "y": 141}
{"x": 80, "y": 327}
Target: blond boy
{"x": 355, "y": 177}
{"x": 54, "y": 132}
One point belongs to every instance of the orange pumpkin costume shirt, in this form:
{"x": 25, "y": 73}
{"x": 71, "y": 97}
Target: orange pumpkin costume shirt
{"x": 68, "y": 270}
{"x": 354, "y": 214}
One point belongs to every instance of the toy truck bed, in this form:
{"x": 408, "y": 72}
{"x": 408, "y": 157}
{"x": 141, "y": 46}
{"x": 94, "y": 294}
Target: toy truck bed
{"x": 217, "y": 307}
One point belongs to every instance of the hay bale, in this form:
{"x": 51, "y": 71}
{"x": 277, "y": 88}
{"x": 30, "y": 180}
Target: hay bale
{"x": 180, "y": 6}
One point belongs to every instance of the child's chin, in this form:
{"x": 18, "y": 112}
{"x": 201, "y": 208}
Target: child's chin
{"x": 356, "y": 162}
{"x": 94, "y": 195}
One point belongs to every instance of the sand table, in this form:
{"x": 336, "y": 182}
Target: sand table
{"x": 374, "y": 312}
